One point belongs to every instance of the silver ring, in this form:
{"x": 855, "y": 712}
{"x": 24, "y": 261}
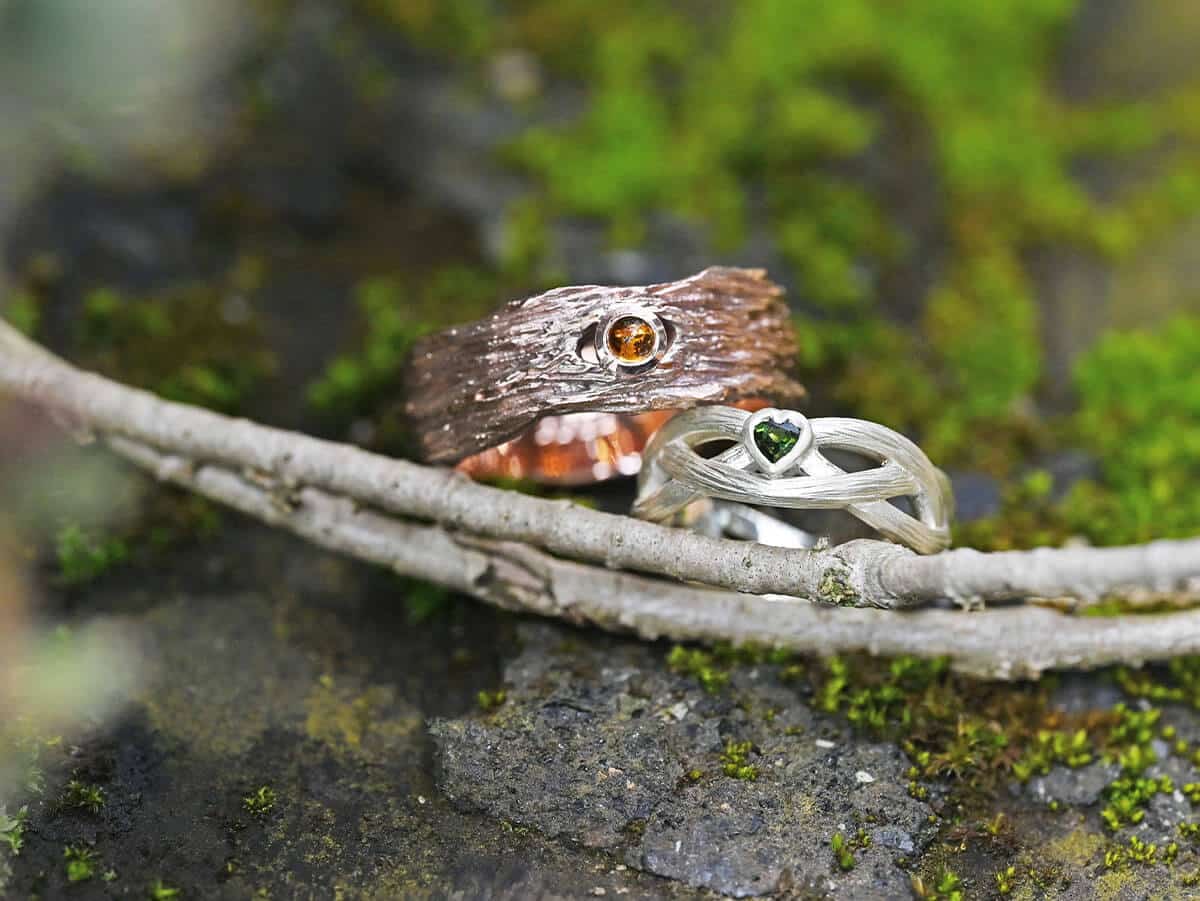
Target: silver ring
{"x": 777, "y": 461}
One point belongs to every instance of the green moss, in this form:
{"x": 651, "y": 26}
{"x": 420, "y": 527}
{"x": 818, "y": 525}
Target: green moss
{"x": 81, "y": 863}
{"x": 424, "y": 600}
{"x": 394, "y": 312}
{"x": 1140, "y": 414}
{"x": 160, "y": 891}
{"x": 352, "y": 383}
{"x": 261, "y": 802}
{"x": 1176, "y": 682}
{"x": 946, "y": 886}
{"x": 183, "y": 345}
{"x": 1005, "y": 880}
{"x": 82, "y": 556}
{"x": 700, "y": 665}
{"x": 490, "y": 700}
{"x": 842, "y": 854}
{"x": 12, "y": 829}
{"x": 735, "y": 760}
{"x": 83, "y": 796}
{"x": 700, "y": 110}
{"x": 835, "y": 588}
{"x": 23, "y": 312}
{"x": 1053, "y": 747}
{"x": 1138, "y": 852}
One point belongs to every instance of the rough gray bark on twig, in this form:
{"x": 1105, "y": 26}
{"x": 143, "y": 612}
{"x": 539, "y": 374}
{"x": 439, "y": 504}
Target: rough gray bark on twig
{"x": 862, "y": 573}
{"x": 1001, "y": 643}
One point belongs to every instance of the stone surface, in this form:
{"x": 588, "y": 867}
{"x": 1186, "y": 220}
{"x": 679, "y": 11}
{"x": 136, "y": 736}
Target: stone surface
{"x": 601, "y": 745}
{"x": 1080, "y": 787}
{"x": 298, "y": 671}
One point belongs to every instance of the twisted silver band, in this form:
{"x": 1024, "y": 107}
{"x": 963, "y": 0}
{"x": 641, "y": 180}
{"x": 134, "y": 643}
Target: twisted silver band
{"x": 674, "y": 475}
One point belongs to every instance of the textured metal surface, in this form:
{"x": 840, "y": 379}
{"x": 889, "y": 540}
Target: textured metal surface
{"x": 728, "y": 336}
{"x": 675, "y": 475}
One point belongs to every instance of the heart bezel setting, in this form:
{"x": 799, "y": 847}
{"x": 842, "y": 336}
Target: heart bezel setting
{"x": 771, "y": 416}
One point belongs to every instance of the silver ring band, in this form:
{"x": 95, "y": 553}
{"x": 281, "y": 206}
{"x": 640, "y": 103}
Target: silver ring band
{"x": 776, "y": 461}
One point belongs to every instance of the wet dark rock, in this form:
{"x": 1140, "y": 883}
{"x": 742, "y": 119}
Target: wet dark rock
{"x": 1077, "y": 787}
{"x": 605, "y": 747}
{"x": 1080, "y": 692}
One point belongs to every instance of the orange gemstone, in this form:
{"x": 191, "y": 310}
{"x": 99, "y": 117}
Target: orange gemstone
{"x": 631, "y": 339}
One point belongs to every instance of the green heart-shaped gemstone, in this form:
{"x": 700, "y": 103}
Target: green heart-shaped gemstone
{"x": 776, "y": 439}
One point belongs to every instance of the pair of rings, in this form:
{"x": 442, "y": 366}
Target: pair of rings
{"x": 582, "y": 384}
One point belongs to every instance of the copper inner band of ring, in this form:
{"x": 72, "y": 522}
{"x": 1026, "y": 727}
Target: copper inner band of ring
{"x": 576, "y": 448}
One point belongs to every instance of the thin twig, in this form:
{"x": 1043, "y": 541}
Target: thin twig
{"x": 860, "y": 573}
{"x": 1001, "y": 643}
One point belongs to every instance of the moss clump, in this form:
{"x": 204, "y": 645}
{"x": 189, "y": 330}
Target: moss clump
{"x": 842, "y": 854}
{"x": 23, "y": 312}
{"x": 1140, "y": 414}
{"x": 352, "y": 383}
{"x": 184, "y": 345}
{"x": 83, "y": 557}
{"x": 424, "y": 600}
{"x": 835, "y": 588}
{"x": 1029, "y": 517}
{"x": 394, "y": 313}
{"x": 12, "y": 829}
{"x": 1178, "y": 682}
{"x": 948, "y": 886}
{"x": 83, "y": 796}
{"x": 735, "y": 760}
{"x": 700, "y": 665}
{"x": 1139, "y": 852}
{"x": 491, "y": 700}
{"x": 1005, "y": 879}
{"x": 160, "y": 891}
{"x": 81, "y": 863}
{"x": 260, "y": 802}
{"x": 1050, "y": 747}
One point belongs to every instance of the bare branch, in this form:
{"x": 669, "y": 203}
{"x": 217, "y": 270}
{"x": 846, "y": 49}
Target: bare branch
{"x": 861, "y": 573}
{"x": 1002, "y": 643}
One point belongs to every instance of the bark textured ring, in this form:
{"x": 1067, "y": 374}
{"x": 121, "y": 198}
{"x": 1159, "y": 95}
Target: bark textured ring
{"x": 721, "y": 336}
{"x": 777, "y": 461}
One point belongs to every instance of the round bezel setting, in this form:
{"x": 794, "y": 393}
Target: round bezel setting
{"x": 645, "y": 336}
{"x": 774, "y": 423}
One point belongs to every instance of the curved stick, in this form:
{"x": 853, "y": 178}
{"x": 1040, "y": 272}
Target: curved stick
{"x": 1004, "y": 643}
{"x": 861, "y": 573}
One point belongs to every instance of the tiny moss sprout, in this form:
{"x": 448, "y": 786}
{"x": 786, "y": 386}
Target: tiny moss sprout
{"x": 83, "y": 796}
{"x": 12, "y": 829}
{"x": 81, "y": 863}
{"x": 1138, "y": 852}
{"x": 83, "y": 556}
{"x": 947, "y": 887}
{"x": 735, "y": 760}
{"x": 700, "y": 665}
{"x": 261, "y": 802}
{"x": 160, "y": 891}
{"x": 1005, "y": 879}
{"x": 491, "y": 700}
{"x": 842, "y": 854}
